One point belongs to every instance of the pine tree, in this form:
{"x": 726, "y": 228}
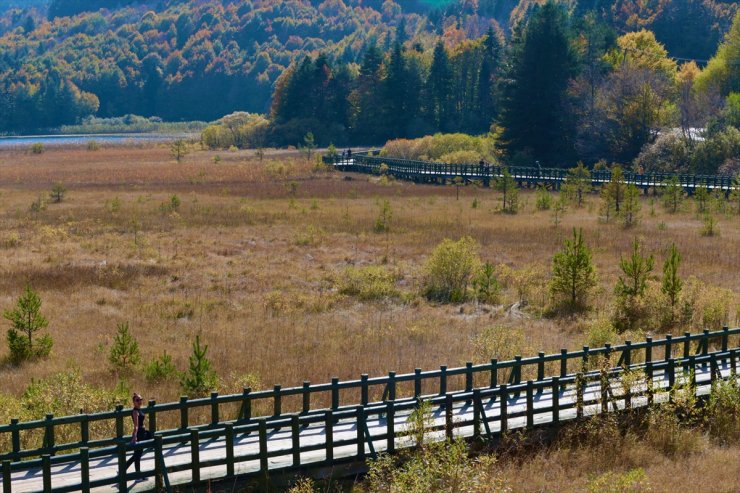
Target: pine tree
{"x": 631, "y": 286}
{"x": 636, "y": 270}
{"x": 613, "y": 194}
{"x": 26, "y": 320}
{"x": 439, "y": 88}
{"x": 533, "y": 116}
{"x": 395, "y": 93}
{"x": 631, "y": 206}
{"x": 124, "y": 353}
{"x": 701, "y": 197}
{"x": 509, "y": 192}
{"x": 673, "y": 195}
{"x": 200, "y": 378}
{"x": 179, "y": 149}
{"x": 573, "y": 273}
{"x": 577, "y": 184}
{"x": 672, "y": 283}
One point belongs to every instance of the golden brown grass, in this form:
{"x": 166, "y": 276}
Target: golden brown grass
{"x": 252, "y": 268}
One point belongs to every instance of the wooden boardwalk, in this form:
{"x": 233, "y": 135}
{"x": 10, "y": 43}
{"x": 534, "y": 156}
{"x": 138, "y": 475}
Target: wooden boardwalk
{"x": 289, "y": 442}
{"x": 281, "y": 441}
{"x": 431, "y": 172}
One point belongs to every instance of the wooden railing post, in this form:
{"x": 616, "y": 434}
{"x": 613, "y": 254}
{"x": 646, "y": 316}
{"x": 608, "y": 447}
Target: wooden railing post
{"x": 195, "y": 456}
{"x": 541, "y": 366}
{"x": 119, "y": 421}
{"x": 361, "y": 425}
{"x": 627, "y": 354}
{"x": 7, "y": 477}
{"x": 417, "y": 383}
{"x": 671, "y": 378}
{"x": 555, "y": 400}
{"x": 725, "y": 337}
{"x": 579, "y": 394}
{"x": 448, "y": 417}
{"x": 563, "y": 363}
{"x": 15, "y": 438}
{"x": 295, "y": 435}
{"x": 392, "y": 386}
{"x": 530, "y": 404}
{"x": 442, "y": 380}
{"x": 306, "y": 394}
{"x": 329, "y": 430}
{"x": 468, "y": 377}
{"x": 476, "y": 413}
{"x": 390, "y": 428}
{"x": 214, "y": 409}
{"x": 84, "y": 469}
{"x": 121, "y": 466}
{"x": 46, "y": 471}
{"x": 158, "y": 472}
{"x": 277, "y": 403}
{"x": 262, "y": 426}
{"x": 246, "y": 413}
{"x": 335, "y": 393}
{"x": 184, "y": 419}
{"x": 686, "y": 345}
{"x": 668, "y": 347}
{"x": 494, "y": 373}
{"x": 503, "y": 406}
{"x": 364, "y": 390}
{"x": 152, "y": 413}
{"x": 229, "y": 449}
{"x": 84, "y": 429}
{"x": 49, "y": 442}
{"x": 604, "y": 391}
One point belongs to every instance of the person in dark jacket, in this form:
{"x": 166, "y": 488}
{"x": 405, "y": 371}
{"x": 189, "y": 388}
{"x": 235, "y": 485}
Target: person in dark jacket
{"x": 140, "y": 433}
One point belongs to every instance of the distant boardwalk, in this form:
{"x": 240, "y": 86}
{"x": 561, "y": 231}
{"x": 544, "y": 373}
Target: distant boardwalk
{"x": 363, "y": 417}
{"x": 430, "y": 172}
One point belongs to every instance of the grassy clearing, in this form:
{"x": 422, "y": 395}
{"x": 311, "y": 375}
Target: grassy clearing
{"x": 279, "y": 269}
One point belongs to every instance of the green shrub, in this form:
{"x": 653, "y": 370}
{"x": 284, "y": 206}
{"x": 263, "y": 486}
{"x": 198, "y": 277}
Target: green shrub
{"x": 461, "y": 157}
{"x": 160, "y": 369}
{"x": 601, "y": 332}
{"x": 124, "y": 352}
{"x": 385, "y": 215}
{"x": 37, "y": 148}
{"x": 238, "y": 130}
{"x": 487, "y": 288}
{"x": 450, "y": 270}
{"x": 632, "y": 481}
{"x": 544, "y": 199}
{"x": 200, "y": 377}
{"x": 368, "y": 283}
{"x": 723, "y": 411}
{"x": 38, "y": 205}
{"x": 92, "y": 145}
{"x": 500, "y": 342}
{"x": 26, "y": 320}
{"x": 710, "y": 227}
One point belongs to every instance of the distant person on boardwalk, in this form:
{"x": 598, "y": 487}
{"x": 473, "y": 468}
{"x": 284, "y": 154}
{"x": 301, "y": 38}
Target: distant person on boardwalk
{"x": 349, "y": 154}
{"x": 140, "y": 433}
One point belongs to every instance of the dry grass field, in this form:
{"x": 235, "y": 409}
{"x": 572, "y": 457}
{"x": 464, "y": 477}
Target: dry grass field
{"x": 251, "y": 257}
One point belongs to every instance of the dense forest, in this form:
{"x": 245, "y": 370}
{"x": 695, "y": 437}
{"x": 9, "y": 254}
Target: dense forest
{"x": 364, "y": 71}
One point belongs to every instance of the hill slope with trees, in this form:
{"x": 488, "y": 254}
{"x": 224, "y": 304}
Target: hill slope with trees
{"x": 68, "y": 59}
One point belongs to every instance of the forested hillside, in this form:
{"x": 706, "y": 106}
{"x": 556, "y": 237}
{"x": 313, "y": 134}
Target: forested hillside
{"x": 68, "y": 59}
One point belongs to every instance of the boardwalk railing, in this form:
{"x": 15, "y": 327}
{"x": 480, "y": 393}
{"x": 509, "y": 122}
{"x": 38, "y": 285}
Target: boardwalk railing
{"x": 474, "y": 400}
{"x": 426, "y": 171}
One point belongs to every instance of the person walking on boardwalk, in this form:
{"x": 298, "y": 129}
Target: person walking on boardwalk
{"x": 140, "y": 433}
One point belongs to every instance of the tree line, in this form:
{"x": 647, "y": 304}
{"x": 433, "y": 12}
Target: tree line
{"x": 564, "y": 88}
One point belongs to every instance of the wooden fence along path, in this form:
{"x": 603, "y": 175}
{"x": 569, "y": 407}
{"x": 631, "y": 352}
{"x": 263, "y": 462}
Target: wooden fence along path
{"x": 476, "y": 401}
{"x": 431, "y": 172}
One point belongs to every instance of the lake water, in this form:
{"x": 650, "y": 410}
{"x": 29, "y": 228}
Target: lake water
{"x": 103, "y": 139}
